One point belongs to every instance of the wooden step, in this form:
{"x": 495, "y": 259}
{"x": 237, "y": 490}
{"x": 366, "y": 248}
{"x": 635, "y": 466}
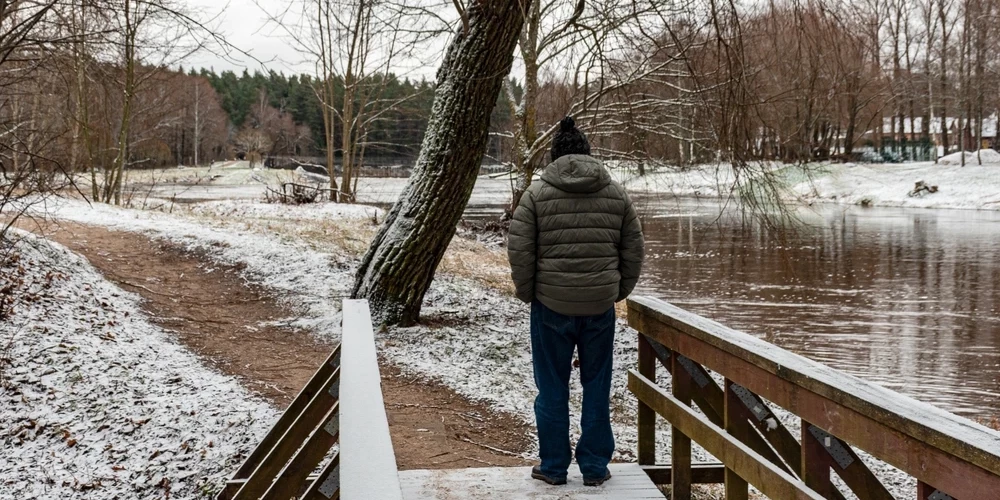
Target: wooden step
{"x": 628, "y": 482}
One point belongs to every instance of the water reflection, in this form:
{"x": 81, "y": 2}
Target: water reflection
{"x": 905, "y": 298}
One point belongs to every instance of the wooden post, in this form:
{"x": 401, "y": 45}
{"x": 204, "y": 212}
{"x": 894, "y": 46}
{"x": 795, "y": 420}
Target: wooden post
{"x": 647, "y": 417}
{"x": 738, "y": 426}
{"x": 926, "y": 492}
{"x": 680, "y": 445}
{"x": 815, "y": 463}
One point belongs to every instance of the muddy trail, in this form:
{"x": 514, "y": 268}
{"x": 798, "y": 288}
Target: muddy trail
{"x": 237, "y": 328}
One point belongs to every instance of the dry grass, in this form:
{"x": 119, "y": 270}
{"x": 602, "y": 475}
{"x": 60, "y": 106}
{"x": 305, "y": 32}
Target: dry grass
{"x": 474, "y": 260}
{"x": 465, "y": 258}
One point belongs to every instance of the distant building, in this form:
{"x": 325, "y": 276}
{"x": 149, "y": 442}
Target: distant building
{"x": 913, "y": 131}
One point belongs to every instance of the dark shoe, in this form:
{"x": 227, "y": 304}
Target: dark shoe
{"x": 597, "y": 482}
{"x": 536, "y": 473}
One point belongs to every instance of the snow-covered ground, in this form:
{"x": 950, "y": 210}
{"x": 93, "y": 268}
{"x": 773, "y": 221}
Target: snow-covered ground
{"x": 487, "y": 191}
{"x": 982, "y": 157}
{"x": 235, "y": 180}
{"x": 99, "y": 403}
{"x": 888, "y": 185}
{"x": 243, "y": 209}
{"x": 709, "y": 181}
{"x": 485, "y": 356}
{"x": 476, "y": 341}
{"x": 970, "y": 187}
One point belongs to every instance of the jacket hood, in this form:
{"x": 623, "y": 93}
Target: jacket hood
{"x": 577, "y": 174}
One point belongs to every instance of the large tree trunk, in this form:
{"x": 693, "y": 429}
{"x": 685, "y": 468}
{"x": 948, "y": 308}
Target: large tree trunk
{"x": 398, "y": 268}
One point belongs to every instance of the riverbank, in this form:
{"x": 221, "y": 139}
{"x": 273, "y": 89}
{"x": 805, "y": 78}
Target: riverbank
{"x": 885, "y": 185}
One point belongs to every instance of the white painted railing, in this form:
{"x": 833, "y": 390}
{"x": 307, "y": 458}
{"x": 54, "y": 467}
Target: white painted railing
{"x": 368, "y": 463}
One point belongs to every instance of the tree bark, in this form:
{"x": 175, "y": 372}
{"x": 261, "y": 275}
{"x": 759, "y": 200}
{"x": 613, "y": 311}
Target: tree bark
{"x": 399, "y": 266}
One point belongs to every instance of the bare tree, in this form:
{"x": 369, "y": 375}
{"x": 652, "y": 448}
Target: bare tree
{"x": 944, "y": 18}
{"x": 399, "y": 266}
{"x": 355, "y": 45}
{"x": 551, "y": 28}
{"x": 29, "y": 30}
{"x": 254, "y": 143}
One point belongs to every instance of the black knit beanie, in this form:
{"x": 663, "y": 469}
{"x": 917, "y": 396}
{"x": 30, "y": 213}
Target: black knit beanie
{"x": 569, "y": 140}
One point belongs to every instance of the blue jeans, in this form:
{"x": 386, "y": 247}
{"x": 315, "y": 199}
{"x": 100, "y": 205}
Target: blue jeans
{"x": 554, "y": 336}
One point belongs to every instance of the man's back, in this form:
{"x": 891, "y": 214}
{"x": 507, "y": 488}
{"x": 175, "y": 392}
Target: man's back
{"x": 575, "y": 240}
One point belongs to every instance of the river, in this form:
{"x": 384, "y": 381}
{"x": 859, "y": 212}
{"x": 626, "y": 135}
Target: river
{"x": 907, "y": 298}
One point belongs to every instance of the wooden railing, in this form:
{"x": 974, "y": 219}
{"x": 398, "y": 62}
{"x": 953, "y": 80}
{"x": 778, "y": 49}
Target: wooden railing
{"x": 342, "y": 403}
{"x": 950, "y": 457}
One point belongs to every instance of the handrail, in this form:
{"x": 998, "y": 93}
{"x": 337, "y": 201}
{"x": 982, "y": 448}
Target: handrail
{"x": 342, "y": 403}
{"x": 368, "y": 463}
{"x": 937, "y": 447}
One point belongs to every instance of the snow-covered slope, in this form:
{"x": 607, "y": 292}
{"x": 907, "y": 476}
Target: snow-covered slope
{"x": 99, "y": 403}
{"x": 969, "y": 187}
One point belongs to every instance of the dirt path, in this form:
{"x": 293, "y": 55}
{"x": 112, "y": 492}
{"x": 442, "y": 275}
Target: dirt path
{"x": 218, "y": 315}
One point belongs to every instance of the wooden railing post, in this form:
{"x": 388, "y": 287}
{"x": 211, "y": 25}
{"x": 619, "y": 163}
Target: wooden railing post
{"x": 647, "y": 417}
{"x": 815, "y": 463}
{"x": 680, "y": 445}
{"x": 928, "y": 492}
{"x": 738, "y": 426}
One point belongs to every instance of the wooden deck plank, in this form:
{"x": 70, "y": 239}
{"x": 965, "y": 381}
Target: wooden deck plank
{"x": 628, "y": 482}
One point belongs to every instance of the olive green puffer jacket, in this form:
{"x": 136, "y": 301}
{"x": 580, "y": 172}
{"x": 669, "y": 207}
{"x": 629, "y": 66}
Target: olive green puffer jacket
{"x": 575, "y": 241}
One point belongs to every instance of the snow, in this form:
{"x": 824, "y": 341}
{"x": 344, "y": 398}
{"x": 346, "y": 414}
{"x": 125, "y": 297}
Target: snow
{"x": 888, "y": 185}
{"x": 310, "y": 177}
{"x": 310, "y": 282}
{"x": 985, "y": 156}
{"x": 628, "y": 482}
{"x": 386, "y": 190}
{"x": 235, "y": 180}
{"x": 969, "y": 187}
{"x": 242, "y": 209}
{"x": 699, "y": 181}
{"x": 101, "y": 404}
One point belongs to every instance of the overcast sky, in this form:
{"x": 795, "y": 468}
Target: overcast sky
{"x": 244, "y": 25}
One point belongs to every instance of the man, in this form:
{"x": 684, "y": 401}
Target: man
{"x": 575, "y": 249}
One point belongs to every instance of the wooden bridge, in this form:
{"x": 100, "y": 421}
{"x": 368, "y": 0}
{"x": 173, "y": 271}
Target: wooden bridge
{"x": 725, "y": 391}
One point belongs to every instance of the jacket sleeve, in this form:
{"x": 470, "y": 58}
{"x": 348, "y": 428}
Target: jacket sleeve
{"x": 522, "y": 248}
{"x": 631, "y": 251}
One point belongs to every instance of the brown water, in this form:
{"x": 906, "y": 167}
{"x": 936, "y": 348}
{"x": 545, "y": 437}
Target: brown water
{"x": 907, "y": 298}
